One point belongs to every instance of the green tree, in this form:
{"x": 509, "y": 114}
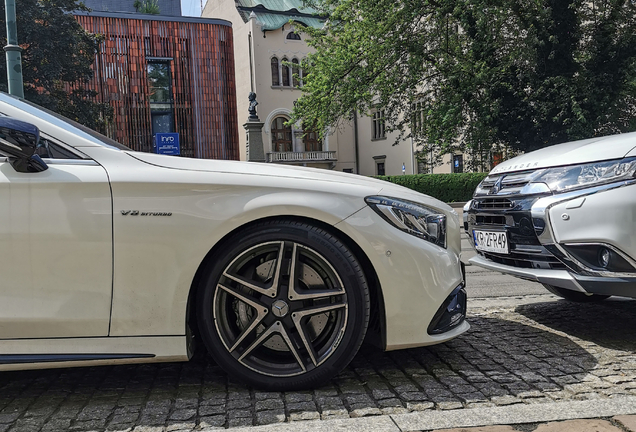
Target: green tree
{"x": 56, "y": 60}
{"x": 147, "y": 7}
{"x": 471, "y": 75}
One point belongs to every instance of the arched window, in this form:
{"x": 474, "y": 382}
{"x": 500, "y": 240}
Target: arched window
{"x": 293, "y": 36}
{"x": 296, "y": 72}
{"x": 281, "y": 135}
{"x": 275, "y": 76}
{"x": 285, "y": 70}
{"x": 311, "y": 140}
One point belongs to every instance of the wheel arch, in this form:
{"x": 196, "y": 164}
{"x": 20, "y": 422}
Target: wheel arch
{"x": 376, "y": 331}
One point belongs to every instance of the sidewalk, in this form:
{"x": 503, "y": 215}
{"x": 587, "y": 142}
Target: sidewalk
{"x": 606, "y": 415}
{"x": 615, "y": 424}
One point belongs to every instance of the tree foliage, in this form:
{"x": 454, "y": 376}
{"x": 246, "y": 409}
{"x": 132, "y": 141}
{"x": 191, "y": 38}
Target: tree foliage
{"x": 472, "y": 74}
{"x": 147, "y": 7}
{"x": 56, "y": 59}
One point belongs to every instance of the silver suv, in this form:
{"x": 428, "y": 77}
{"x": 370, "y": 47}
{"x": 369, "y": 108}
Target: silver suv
{"x": 564, "y": 216}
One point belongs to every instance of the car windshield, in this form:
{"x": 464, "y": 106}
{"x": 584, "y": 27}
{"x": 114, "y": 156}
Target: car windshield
{"x": 57, "y": 119}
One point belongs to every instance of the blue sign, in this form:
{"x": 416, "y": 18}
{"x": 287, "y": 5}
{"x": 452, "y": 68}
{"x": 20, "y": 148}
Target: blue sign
{"x": 167, "y": 143}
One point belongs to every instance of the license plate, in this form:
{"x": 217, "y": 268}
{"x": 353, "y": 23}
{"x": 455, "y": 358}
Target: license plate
{"x": 491, "y": 241}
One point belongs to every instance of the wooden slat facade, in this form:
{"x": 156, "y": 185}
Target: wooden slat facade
{"x": 201, "y": 58}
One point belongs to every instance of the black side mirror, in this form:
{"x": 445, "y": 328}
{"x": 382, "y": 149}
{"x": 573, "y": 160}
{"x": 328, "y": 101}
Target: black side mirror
{"x": 18, "y": 140}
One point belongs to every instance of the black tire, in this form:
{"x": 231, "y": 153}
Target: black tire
{"x": 283, "y": 305}
{"x": 575, "y": 296}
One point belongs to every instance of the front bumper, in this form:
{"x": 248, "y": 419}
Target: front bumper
{"x": 543, "y": 229}
{"x": 415, "y": 277}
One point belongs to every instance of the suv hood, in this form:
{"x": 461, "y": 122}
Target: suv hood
{"x": 572, "y": 153}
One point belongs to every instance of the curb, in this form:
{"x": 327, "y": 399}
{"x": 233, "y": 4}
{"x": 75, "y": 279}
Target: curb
{"x": 469, "y": 417}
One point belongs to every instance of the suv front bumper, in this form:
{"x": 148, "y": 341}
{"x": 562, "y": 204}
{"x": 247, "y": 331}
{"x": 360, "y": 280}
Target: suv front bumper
{"x": 544, "y": 230}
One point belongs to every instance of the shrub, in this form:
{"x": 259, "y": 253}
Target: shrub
{"x": 445, "y": 187}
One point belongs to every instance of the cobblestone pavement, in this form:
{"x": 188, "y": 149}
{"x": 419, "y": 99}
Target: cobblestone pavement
{"x": 527, "y": 354}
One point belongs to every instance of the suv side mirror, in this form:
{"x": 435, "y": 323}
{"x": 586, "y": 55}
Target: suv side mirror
{"x": 18, "y": 141}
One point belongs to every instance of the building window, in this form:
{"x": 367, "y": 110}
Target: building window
{"x": 417, "y": 120}
{"x": 378, "y": 125}
{"x": 281, "y": 135}
{"x": 275, "y": 75}
{"x": 160, "y": 95}
{"x": 285, "y": 70}
{"x": 379, "y": 168}
{"x": 296, "y": 72}
{"x": 348, "y": 170}
{"x": 293, "y": 36}
{"x": 159, "y": 82}
{"x": 311, "y": 141}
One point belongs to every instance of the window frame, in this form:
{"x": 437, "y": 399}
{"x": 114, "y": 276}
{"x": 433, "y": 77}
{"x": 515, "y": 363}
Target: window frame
{"x": 285, "y": 130}
{"x": 275, "y": 62}
{"x": 378, "y": 125}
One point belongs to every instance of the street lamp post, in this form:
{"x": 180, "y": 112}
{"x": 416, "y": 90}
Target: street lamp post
{"x": 13, "y": 50}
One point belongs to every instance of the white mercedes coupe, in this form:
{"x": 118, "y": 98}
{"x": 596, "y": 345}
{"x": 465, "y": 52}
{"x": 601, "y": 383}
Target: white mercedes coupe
{"x": 112, "y": 256}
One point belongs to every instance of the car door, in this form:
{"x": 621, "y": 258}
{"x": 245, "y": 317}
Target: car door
{"x": 55, "y": 248}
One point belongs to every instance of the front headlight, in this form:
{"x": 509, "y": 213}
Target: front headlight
{"x": 562, "y": 179}
{"x": 413, "y": 218}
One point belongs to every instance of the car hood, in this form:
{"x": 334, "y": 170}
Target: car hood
{"x": 572, "y": 153}
{"x": 257, "y": 169}
{"x": 362, "y": 184}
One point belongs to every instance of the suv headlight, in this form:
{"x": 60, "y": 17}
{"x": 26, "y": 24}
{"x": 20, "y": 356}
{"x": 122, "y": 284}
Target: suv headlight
{"x": 562, "y": 179}
{"x": 413, "y": 218}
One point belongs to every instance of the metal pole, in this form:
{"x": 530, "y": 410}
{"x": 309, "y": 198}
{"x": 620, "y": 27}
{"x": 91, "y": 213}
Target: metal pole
{"x": 13, "y": 50}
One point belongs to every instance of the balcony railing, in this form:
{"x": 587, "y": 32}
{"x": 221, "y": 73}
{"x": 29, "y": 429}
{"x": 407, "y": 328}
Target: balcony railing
{"x": 309, "y": 156}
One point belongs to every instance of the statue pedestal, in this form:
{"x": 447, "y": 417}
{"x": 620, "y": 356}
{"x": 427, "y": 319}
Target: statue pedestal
{"x": 255, "y": 150}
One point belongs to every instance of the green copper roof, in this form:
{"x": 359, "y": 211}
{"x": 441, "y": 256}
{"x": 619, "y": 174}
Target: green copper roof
{"x": 276, "y": 5}
{"x": 276, "y": 21}
{"x": 273, "y": 14}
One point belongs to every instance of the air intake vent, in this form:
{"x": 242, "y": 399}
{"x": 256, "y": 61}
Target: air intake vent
{"x": 494, "y": 203}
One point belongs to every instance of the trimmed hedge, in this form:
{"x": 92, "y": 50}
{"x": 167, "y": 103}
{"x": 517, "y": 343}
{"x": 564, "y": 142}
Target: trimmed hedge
{"x": 445, "y": 187}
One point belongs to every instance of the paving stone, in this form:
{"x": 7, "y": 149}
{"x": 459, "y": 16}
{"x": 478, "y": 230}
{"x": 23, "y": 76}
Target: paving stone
{"x": 385, "y": 403}
{"x": 594, "y": 425}
{"x": 305, "y": 415}
{"x": 505, "y": 400}
{"x": 628, "y": 421}
{"x": 148, "y": 429}
{"x": 332, "y": 414}
{"x": 270, "y": 416}
{"x": 298, "y": 397}
{"x": 183, "y": 414}
{"x": 382, "y": 394}
{"x": 208, "y": 410}
{"x": 269, "y": 404}
{"x": 364, "y": 412}
{"x": 180, "y": 426}
{"x": 481, "y": 429}
{"x": 211, "y": 421}
{"x": 240, "y": 422}
{"x": 419, "y": 406}
{"x": 449, "y": 405}
{"x": 238, "y": 403}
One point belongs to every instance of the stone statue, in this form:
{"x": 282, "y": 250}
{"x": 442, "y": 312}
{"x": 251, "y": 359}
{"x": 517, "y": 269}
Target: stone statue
{"x": 252, "y": 107}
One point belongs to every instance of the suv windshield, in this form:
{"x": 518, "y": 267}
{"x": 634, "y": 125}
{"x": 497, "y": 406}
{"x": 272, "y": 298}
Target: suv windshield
{"x": 56, "y": 119}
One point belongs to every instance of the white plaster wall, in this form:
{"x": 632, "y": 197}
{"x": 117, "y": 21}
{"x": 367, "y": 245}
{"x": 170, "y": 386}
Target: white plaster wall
{"x": 225, "y": 9}
{"x": 396, "y": 155}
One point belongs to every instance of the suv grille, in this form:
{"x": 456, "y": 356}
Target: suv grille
{"x": 508, "y": 184}
{"x": 494, "y": 203}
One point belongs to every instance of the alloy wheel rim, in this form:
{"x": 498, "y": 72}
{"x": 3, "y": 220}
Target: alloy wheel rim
{"x": 280, "y": 308}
